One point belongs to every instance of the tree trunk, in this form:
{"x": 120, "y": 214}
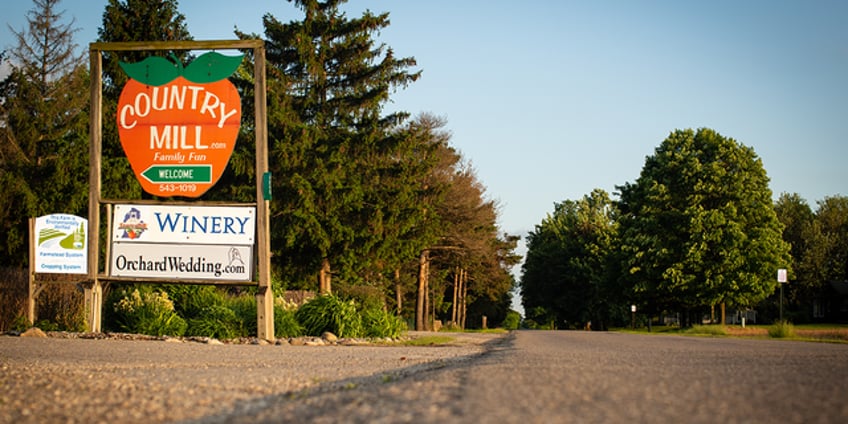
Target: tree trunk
{"x": 420, "y": 311}
{"x": 398, "y": 292}
{"x": 324, "y": 283}
{"x": 723, "y": 312}
{"x": 428, "y": 319}
{"x": 464, "y": 300}
{"x": 453, "y": 303}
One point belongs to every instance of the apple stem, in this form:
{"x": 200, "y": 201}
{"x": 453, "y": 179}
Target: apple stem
{"x": 176, "y": 61}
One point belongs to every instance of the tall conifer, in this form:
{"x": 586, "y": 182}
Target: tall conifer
{"x": 328, "y": 135}
{"x": 43, "y": 144}
{"x": 124, "y": 21}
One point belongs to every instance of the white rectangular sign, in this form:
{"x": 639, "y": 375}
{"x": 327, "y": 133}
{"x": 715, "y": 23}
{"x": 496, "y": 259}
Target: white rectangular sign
{"x": 61, "y": 244}
{"x": 184, "y": 224}
{"x": 182, "y": 261}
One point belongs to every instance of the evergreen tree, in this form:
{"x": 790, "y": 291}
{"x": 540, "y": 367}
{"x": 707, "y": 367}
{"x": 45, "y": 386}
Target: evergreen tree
{"x": 125, "y": 21}
{"x": 698, "y": 225}
{"x": 43, "y": 137}
{"x": 328, "y": 137}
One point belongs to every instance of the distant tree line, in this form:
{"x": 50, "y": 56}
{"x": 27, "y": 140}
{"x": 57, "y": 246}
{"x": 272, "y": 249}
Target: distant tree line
{"x": 696, "y": 233}
{"x": 366, "y": 203}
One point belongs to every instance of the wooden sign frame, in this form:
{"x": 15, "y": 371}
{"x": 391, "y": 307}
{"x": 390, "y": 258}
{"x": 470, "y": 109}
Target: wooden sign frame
{"x": 94, "y": 287}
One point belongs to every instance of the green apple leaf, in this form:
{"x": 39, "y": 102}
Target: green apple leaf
{"x": 153, "y": 70}
{"x": 211, "y": 67}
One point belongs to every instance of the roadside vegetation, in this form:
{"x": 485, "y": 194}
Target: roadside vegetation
{"x": 830, "y": 333}
{"x": 698, "y": 237}
{"x": 364, "y": 199}
{"x": 205, "y": 311}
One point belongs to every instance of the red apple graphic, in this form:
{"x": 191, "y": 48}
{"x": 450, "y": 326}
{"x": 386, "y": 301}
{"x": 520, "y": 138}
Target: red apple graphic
{"x": 178, "y": 126}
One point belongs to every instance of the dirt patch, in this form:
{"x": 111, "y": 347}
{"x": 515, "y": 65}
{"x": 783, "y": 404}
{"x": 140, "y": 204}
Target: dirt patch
{"x": 747, "y": 332}
{"x": 823, "y": 334}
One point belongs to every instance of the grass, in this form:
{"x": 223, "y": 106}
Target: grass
{"x": 430, "y": 341}
{"x": 706, "y": 330}
{"x": 480, "y": 331}
{"x": 827, "y": 333}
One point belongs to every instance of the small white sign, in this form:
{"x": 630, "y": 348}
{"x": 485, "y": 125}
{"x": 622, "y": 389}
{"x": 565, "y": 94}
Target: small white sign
{"x": 179, "y": 262}
{"x": 184, "y": 224}
{"x": 61, "y": 244}
{"x": 781, "y": 275}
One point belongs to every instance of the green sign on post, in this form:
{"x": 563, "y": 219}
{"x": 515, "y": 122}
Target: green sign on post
{"x": 178, "y": 173}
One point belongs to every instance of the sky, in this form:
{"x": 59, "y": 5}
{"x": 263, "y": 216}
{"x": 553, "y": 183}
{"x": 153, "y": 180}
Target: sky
{"x": 549, "y": 100}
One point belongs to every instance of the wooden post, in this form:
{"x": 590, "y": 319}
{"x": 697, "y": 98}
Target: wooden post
{"x": 264, "y": 296}
{"x": 31, "y": 274}
{"x": 93, "y": 291}
{"x": 324, "y": 277}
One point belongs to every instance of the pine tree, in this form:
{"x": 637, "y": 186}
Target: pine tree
{"x": 123, "y": 21}
{"x": 328, "y": 136}
{"x": 43, "y": 133}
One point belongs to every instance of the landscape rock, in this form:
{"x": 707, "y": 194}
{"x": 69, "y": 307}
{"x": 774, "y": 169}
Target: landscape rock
{"x": 34, "y": 332}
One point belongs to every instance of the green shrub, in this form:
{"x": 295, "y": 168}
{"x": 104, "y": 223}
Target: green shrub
{"x": 330, "y": 313}
{"x": 244, "y": 306}
{"x": 190, "y": 301}
{"x": 512, "y": 320}
{"x": 377, "y": 322}
{"x": 781, "y": 329}
{"x": 285, "y": 322}
{"x": 46, "y": 325}
{"x": 216, "y": 321}
{"x": 20, "y": 324}
{"x": 145, "y": 311}
{"x": 367, "y": 297}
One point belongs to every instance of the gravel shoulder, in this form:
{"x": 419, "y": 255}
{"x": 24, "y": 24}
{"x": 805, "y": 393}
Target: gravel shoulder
{"x": 58, "y": 379}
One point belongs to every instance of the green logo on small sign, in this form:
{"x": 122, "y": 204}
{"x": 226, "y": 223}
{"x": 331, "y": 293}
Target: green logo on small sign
{"x": 178, "y": 174}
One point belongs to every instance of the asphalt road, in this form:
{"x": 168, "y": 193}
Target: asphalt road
{"x": 524, "y": 377}
{"x": 622, "y": 378}
{"x": 596, "y": 377}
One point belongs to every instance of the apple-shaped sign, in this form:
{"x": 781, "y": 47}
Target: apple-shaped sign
{"x": 178, "y": 126}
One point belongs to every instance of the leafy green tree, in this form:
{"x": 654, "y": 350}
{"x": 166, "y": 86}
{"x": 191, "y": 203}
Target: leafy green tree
{"x": 698, "y": 225}
{"x": 565, "y": 273}
{"x": 797, "y": 218}
{"x": 43, "y": 137}
{"x": 827, "y": 259}
{"x": 819, "y": 240}
{"x": 328, "y": 137}
{"x": 125, "y": 21}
